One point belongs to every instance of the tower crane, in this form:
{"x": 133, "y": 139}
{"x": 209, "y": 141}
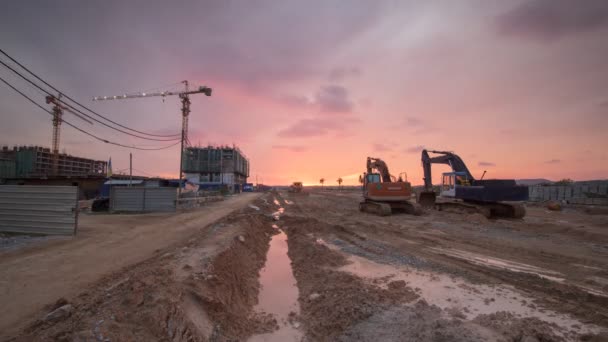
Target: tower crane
{"x": 185, "y": 99}
{"x": 58, "y": 109}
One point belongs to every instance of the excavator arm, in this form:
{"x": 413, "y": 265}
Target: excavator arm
{"x": 380, "y": 166}
{"x": 448, "y": 158}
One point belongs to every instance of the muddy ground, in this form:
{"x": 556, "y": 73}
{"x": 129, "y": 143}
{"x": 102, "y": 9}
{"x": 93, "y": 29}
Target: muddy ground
{"x": 297, "y": 267}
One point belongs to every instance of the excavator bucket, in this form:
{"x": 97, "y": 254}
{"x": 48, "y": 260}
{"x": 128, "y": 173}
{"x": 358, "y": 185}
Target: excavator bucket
{"x": 427, "y": 199}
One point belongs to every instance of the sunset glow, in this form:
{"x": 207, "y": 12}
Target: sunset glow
{"x": 309, "y": 91}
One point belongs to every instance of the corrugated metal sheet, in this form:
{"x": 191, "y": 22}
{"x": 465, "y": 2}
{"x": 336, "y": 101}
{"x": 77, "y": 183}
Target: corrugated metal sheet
{"x": 126, "y": 199}
{"x": 38, "y": 209}
{"x": 141, "y": 199}
{"x": 160, "y": 199}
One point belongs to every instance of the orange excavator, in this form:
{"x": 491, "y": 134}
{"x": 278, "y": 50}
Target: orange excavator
{"x": 383, "y": 194}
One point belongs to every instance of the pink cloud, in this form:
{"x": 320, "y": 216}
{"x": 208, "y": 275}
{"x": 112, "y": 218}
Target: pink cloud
{"x": 292, "y": 148}
{"x": 327, "y": 99}
{"x": 414, "y": 149}
{"x": 548, "y": 20}
{"x": 334, "y": 99}
{"x": 378, "y": 147}
{"x": 340, "y": 73}
{"x": 313, "y": 127}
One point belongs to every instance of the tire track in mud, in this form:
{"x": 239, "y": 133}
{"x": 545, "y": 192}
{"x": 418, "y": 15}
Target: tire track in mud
{"x": 551, "y": 294}
{"x": 331, "y": 301}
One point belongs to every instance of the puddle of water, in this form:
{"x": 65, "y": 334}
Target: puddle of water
{"x": 599, "y": 280}
{"x": 277, "y": 214}
{"x": 288, "y": 202}
{"x": 588, "y": 267}
{"x": 276, "y": 201}
{"x": 483, "y": 260}
{"x": 452, "y": 293}
{"x": 287, "y": 334}
{"x": 254, "y": 207}
{"x": 278, "y": 293}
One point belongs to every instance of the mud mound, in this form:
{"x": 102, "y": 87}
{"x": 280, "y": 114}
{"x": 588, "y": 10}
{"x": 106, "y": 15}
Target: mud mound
{"x": 208, "y": 298}
{"x": 331, "y": 300}
{"x": 514, "y": 329}
{"x": 419, "y": 322}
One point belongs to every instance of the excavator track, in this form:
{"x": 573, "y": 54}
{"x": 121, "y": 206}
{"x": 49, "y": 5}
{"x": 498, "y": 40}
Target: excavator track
{"x": 461, "y": 207}
{"x": 489, "y": 210}
{"x": 507, "y": 210}
{"x": 376, "y": 208}
{"x": 385, "y": 209}
{"x": 407, "y": 208}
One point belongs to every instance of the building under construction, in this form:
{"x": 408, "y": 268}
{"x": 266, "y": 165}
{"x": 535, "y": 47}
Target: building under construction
{"x": 37, "y": 162}
{"x": 216, "y": 167}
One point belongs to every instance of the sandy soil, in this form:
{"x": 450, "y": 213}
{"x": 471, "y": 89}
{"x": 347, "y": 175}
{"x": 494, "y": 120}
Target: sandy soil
{"x": 358, "y": 277}
{"x": 42, "y": 272}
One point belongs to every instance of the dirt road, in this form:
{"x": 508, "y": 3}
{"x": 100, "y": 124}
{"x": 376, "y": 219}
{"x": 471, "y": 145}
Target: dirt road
{"x": 297, "y": 267}
{"x": 34, "y": 276}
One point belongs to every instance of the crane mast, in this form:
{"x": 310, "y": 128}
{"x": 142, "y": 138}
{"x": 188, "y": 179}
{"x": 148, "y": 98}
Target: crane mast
{"x": 184, "y": 98}
{"x": 58, "y": 108}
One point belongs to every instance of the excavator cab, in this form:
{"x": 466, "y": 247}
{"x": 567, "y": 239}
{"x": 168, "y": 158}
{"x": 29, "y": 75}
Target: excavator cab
{"x": 450, "y": 180}
{"x": 372, "y": 178}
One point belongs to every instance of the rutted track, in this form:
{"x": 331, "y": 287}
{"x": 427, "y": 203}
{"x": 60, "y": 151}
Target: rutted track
{"x": 428, "y": 243}
{"x": 203, "y": 291}
{"x": 358, "y": 278}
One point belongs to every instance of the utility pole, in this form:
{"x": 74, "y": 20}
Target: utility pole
{"x": 185, "y": 112}
{"x": 130, "y": 169}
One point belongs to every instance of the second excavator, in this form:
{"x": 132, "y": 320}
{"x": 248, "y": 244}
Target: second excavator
{"x": 461, "y": 191}
{"x": 383, "y": 194}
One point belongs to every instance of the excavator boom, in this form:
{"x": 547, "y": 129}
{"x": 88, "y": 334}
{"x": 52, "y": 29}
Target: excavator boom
{"x": 448, "y": 158}
{"x": 379, "y": 165}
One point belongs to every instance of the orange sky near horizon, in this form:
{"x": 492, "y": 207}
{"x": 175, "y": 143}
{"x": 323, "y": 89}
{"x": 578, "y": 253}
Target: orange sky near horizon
{"x": 308, "y": 91}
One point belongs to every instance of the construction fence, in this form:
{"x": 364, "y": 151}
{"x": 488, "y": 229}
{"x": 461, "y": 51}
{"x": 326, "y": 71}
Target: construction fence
{"x": 142, "y": 199}
{"x": 588, "y": 193}
{"x": 39, "y": 209}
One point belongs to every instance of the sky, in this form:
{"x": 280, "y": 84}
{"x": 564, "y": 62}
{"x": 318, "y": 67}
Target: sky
{"x": 309, "y": 89}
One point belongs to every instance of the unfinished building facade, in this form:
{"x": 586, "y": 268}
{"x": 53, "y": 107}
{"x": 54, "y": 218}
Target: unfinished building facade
{"x": 216, "y": 167}
{"x": 36, "y": 161}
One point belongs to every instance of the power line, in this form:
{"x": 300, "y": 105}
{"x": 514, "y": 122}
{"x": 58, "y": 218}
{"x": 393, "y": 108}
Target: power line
{"x": 82, "y": 130}
{"x": 144, "y": 172}
{"x": 78, "y": 103}
{"x": 79, "y": 111}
